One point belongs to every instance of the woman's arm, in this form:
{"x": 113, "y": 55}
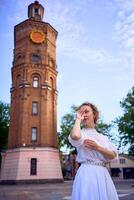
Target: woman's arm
{"x": 75, "y": 132}
{"x": 106, "y": 153}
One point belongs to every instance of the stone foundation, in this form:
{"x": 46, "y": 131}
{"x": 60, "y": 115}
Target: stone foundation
{"x": 16, "y": 165}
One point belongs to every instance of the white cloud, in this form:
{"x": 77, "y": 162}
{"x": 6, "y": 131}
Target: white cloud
{"x": 72, "y": 39}
{"x": 124, "y": 31}
{"x": 121, "y": 14}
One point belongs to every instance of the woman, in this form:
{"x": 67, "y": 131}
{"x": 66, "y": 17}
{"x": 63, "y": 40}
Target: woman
{"x": 94, "y": 151}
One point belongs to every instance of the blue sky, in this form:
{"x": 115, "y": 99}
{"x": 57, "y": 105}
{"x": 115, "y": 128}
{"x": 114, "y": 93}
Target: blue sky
{"x": 95, "y": 49}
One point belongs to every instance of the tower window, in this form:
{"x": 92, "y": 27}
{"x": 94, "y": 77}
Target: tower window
{"x": 36, "y": 58}
{"x": 34, "y": 134}
{"x": 34, "y": 108}
{"x": 35, "y": 82}
{"x": 19, "y": 57}
{"x": 33, "y": 167}
{"x": 36, "y": 11}
{"x": 18, "y": 79}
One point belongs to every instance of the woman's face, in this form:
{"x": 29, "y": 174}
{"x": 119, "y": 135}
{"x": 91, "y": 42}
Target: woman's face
{"x": 88, "y": 115}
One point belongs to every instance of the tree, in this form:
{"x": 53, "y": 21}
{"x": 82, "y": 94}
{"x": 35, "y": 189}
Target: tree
{"x": 103, "y": 128}
{"x": 126, "y": 122}
{"x": 67, "y": 124}
{"x": 4, "y": 124}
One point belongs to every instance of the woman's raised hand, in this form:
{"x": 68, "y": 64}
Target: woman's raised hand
{"x": 80, "y": 114}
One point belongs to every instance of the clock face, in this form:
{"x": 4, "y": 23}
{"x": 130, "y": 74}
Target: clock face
{"x": 37, "y": 37}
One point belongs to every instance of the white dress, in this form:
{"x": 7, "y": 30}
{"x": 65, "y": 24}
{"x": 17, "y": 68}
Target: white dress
{"x": 93, "y": 181}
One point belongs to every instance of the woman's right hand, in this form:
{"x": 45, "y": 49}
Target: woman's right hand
{"x": 76, "y": 130}
{"x": 80, "y": 115}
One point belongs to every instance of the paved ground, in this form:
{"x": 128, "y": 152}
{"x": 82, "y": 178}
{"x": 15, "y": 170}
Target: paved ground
{"x": 125, "y": 189}
{"x": 58, "y": 191}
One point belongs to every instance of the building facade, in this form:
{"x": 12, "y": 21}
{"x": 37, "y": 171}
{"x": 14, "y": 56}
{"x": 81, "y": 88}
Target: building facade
{"x": 124, "y": 168}
{"x": 32, "y": 153}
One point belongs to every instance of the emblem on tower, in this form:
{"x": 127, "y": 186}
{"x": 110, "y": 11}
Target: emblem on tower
{"x": 37, "y": 36}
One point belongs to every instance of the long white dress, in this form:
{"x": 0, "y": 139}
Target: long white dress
{"x": 93, "y": 181}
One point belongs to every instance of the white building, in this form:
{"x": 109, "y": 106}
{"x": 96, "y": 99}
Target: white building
{"x": 124, "y": 168}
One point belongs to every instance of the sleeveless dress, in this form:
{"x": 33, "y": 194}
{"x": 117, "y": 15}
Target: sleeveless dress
{"x": 92, "y": 180}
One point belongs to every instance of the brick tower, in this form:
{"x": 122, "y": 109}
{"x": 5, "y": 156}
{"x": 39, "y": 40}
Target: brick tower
{"x": 32, "y": 153}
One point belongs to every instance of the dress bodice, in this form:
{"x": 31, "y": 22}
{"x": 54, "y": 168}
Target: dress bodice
{"x": 85, "y": 153}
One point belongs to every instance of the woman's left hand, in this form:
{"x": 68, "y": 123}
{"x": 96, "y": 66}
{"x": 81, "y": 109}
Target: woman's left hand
{"x": 91, "y": 144}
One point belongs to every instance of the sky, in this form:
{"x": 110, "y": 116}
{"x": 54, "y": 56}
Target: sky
{"x": 95, "y": 48}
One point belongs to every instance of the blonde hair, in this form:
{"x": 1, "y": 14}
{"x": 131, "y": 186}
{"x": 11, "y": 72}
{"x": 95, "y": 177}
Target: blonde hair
{"x": 94, "y": 109}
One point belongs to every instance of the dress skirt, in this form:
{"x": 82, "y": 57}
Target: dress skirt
{"x": 93, "y": 182}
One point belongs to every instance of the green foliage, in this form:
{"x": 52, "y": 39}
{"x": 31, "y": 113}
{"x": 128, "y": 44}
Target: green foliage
{"x": 67, "y": 124}
{"x": 4, "y": 124}
{"x": 103, "y": 128}
{"x": 126, "y": 122}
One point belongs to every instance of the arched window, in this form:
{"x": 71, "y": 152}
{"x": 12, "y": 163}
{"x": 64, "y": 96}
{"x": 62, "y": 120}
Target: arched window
{"x": 51, "y": 82}
{"x": 19, "y": 58}
{"x": 35, "y": 81}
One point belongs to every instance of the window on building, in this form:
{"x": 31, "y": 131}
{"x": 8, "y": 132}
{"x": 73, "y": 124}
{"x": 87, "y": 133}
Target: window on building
{"x": 35, "y": 108}
{"x": 36, "y": 58}
{"x": 19, "y": 58}
{"x": 36, "y": 11}
{"x": 34, "y": 134}
{"x": 35, "y": 82}
{"x": 122, "y": 161}
{"x": 33, "y": 167}
{"x": 51, "y": 82}
{"x": 18, "y": 80}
